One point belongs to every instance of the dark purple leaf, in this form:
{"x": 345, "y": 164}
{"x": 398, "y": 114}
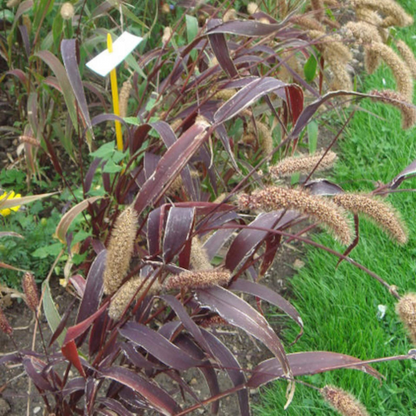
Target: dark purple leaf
{"x": 59, "y": 329}
{"x": 187, "y": 322}
{"x": 232, "y": 367}
{"x": 69, "y": 56}
{"x": 295, "y": 101}
{"x": 220, "y": 48}
{"x": 76, "y": 384}
{"x": 38, "y": 379}
{"x": 78, "y": 282}
{"x": 208, "y": 372}
{"x": 11, "y": 358}
{"x": 10, "y": 234}
{"x": 409, "y": 171}
{"x": 154, "y": 230}
{"x": 157, "y": 397}
{"x": 323, "y": 187}
{"x": 177, "y": 231}
{"x": 94, "y": 288}
{"x": 115, "y": 406}
{"x": 171, "y": 164}
{"x": 239, "y": 313}
{"x": 244, "y": 28}
{"x": 137, "y": 359}
{"x": 90, "y": 174}
{"x": 216, "y": 241}
{"x": 25, "y": 38}
{"x": 246, "y": 97}
{"x": 158, "y": 346}
{"x": 270, "y": 296}
{"x": 306, "y": 363}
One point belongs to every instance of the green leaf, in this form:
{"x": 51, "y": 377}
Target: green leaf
{"x": 191, "y": 27}
{"x": 52, "y": 250}
{"x": 132, "y": 120}
{"x": 111, "y": 167}
{"x": 105, "y": 151}
{"x": 51, "y": 313}
{"x": 118, "y": 156}
{"x": 312, "y": 136}
{"x": 57, "y": 27}
{"x": 310, "y": 68}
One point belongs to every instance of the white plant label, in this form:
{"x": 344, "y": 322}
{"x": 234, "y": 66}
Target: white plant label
{"x": 105, "y": 62}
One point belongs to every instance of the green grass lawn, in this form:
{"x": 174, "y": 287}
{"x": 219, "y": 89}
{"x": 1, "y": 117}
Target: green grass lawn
{"x": 339, "y": 307}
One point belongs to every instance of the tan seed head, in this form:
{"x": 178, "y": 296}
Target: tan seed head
{"x": 252, "y": 8}
{"x": 31, "y": 291}
{"x": 124, "y": 97}
{"x": 406, "y": 309}
{"x": 67, "y": 11}
{"x": 120, "y": 249}
{"x": 379, "y": 211}
{"x": 4, "y": 324}
{"x": 344, "y": 403}
{"x": 319, "y": 209}
{"x": 407, "y": 54}
{"x": 198, "y": 279}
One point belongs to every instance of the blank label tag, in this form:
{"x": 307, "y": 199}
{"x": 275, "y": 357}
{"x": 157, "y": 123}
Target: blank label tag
{"x": 103, "y": 63}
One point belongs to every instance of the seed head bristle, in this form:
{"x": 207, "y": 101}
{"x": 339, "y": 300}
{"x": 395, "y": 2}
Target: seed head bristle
{"x": 407, "y": 54}
{"x": 308, "y": 23}
{"x": 198, "y": 279}
{"x": 364, "y": 32}
{"x": 30, "y": 140}
{"x": 282, "y": 9}
{"x": 214, "y": 320}
{"x": 252, "y": 8}
{"x": 165, "y": 8}
{"x": 371, "y": 60}
{"x": 12, "y": 3}
{"x": 31, "y": 291}
{"x": 318, "y": 8}
{"x": 199, "y": 257}
{"x": 225, "y": 94}
{"x": 124, "y": 97}
{"x": 167, "y": 34}
{"x": 264, "y": 133}
{"x": 229, "y": 15}
{"x": 401, "y": 72}
{"x": 333, "y": 24}
{"x": 67, "y": 11}
{"x": 341, "y": 79}
{"x": 318, "y": 208}
{"x": 291, "y": 61}
{"x": 397, "y": 100}
{"x": 395, "y": 14}
{"x": 382, "y": 213}
{"x": 406, "y": 309}
{"x": 331, "y": 3}
{"x": 120, "y": 249}
{"x": 4, "y": 324}
{"x": 125, "y": 294}
{"x": 344, "y": 403}
{"x": 303, "y": 164}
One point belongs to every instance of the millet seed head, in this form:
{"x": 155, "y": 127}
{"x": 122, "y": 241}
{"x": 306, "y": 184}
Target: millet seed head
{"x": 198, "y": 279}
{"x": 31, "y": 291}
{"x": 344, "y": 403}
{"x": 379, "y": 211}
{"x": 406, "y": 309}
{"x": 120, "y": 249}
{"x": 4, "y": 324}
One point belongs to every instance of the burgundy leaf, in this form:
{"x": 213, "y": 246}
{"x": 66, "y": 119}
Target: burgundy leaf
{"x": 295, "y": 101}
{"x": 37, "y": 377}
{"x": 248, "y": 240}
{"x": 409, "y": 171}
{"x": 177, "y": 231}
{"x": 154, "y": 230}
{"x": 78, "y": 282}
{"x": 232, "y": 367}
{"x": 69, "y": 56}
{"x": 187, "y": 322}
{"x": 244, "y": 28}
{"x": 90, "y": 174}
{"x": 20, "y": 75}
{"x": 171, "y": 164}
{"x": 157, "y": 397}
{"x": 246, "y": 97}
{"x": 115, "y": 406}
{"x": 323, "y": 187}
{"x": 220, "y": 48}
{"x": 208, "y": 372}
{"x": 94, "y": 288}
{"x": 239, "y": 313}
{"x": 137, "y": 359}
{"x": 311, "y": 109}
{"x": 216, "y": 241}
{"x": 76, "y": 384}
{"x": 270, "y": 296}
{"x": 158, "y": 346}
{"x": 70, "y": 352}
{"x": 307, "y": 363}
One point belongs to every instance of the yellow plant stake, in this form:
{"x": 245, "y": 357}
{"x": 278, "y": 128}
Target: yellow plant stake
{"x": 114, "y": 92}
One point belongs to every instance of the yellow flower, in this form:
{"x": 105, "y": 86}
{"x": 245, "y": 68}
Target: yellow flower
{"x": 7, "y": 211}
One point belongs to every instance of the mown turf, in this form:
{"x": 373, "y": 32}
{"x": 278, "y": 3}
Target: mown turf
{"x": 339, "y": 307}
